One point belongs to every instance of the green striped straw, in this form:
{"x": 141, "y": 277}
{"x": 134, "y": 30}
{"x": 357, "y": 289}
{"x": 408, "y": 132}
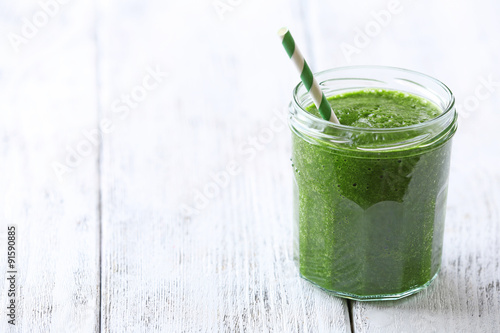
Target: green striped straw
{"x": 312, "y": 86}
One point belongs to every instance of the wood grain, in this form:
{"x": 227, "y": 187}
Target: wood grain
{"x": 48, "y": 92}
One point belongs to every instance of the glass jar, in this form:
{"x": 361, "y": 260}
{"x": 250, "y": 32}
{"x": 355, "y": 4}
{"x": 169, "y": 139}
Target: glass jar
{"x": 370, "y": 203}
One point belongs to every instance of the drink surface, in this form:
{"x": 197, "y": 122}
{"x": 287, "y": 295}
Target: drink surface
{"x": 377, "y": 108}
{"x": 370, "y": 225}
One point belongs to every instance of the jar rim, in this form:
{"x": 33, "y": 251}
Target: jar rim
{"x": 446, "y": 110}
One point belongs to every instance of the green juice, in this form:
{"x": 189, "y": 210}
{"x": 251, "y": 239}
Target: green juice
{"x": 369, "y": 223}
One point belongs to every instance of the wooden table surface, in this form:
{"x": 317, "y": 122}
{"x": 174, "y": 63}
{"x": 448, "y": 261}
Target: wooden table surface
{"x": 145, "y": 162}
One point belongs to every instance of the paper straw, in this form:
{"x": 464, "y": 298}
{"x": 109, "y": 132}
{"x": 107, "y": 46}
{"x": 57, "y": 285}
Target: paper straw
{"x": 312, "y": 86}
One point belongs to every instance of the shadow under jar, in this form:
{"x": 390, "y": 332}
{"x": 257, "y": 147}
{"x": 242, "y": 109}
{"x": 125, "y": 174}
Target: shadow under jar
{"x": 370, "y": 203}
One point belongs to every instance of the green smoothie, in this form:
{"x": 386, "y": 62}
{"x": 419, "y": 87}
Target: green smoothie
{"x": 369, "y": 223}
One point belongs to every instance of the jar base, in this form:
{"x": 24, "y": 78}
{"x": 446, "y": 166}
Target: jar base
{"x": 382, "y": 297}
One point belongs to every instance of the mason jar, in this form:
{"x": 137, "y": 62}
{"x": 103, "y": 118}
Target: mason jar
{"x": 370, "y": 203}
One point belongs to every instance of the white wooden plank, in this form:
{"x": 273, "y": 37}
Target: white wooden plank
{"x": 48, "y": 97}
{"x": 425, "y": 36}
{"x": 229, "y": 267}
